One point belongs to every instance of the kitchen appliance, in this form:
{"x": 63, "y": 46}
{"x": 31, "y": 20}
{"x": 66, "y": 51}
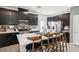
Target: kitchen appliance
{"x": 55, "y": 26}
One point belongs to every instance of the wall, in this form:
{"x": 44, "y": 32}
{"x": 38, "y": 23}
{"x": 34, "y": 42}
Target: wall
{"x": 73, "y": 11}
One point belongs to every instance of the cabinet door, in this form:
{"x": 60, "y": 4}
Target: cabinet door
{"x": 33, "y": 20}
{"x": 66, "y": 19}
{"x": 5, "y": 40}
{"x": 8, "y": 39}
{"x": 14, "y": 39}
{"x": 20, "y": 15}
{"x": 23, "y": 16}
{"x": 13, "y": 17}
{"x": 8, "y": 17}
{"x": 4, "y": 16}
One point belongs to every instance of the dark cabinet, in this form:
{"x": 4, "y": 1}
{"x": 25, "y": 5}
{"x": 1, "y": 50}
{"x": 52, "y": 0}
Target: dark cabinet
{"x": 65, "y": 18}
{"x": 13, "y": 38}
{"x": 33, "y": 19}
{"x": 13, "y": 17}
{"x": 68, "y": 37}
{"x": 4, "y": 16}
{"x": 4, "y": 40}
{"x": 22, "y": 14}
{"x": 8, "y": 39}
{"x": 8, "y": 17}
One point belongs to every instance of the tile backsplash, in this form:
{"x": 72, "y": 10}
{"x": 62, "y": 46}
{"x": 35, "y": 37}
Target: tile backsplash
{"x": 34, "y": 26}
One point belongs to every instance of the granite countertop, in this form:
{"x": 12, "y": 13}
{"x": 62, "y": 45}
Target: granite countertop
{"x": 23, "y": 40}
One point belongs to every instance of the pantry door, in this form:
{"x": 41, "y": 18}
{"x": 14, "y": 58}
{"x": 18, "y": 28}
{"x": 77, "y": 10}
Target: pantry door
{"x": 76, "y": 29}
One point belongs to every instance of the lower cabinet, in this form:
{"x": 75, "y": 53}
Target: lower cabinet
{"x": 68, "y": 37}
{"x": 8, "y": 39}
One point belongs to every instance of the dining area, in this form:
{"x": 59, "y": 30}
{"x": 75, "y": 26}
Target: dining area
{"x": 42, "y": 42}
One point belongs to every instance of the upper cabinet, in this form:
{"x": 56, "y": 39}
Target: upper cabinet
{"x": 8, "y": 17}
{"x": 22, "y": 14}
{"x": 12, "y": 17}
{"x": 33, "y": 19}
{"x": 65, "y": 18}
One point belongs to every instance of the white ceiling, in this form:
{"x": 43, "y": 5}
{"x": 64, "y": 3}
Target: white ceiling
{"x": 45, "y": 10}
{"x": 48, "y": 10}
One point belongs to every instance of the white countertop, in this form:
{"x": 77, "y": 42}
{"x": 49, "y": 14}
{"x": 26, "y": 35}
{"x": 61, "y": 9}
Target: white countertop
{"x": 9, "y": 32}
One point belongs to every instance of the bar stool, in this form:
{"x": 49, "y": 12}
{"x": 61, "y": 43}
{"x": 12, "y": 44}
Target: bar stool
{"x": 63, "y": 41}
{"x": 49, "y": 45}
{"x": 46, "y": 34}
{"x": 56, "y": 41}
{"x": 33, "y": 39}
{"x": 29, "y": 47}
{"x": 42, "y": 48}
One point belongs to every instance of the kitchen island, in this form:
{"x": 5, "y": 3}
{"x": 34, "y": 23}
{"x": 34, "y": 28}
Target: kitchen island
{"x": 23, "y": 40}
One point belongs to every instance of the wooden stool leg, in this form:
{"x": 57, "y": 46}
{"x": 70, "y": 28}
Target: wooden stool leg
{"x": 33, "y": 46}
{"x": 56, "y": 45}
{"x": 60, "y": 43}
{"x": 41, "y": 45}
{"x": 66, "y": 46}
{"x": 48, "y": 44}
{"x": 65, "y": 42}
{"x": 63, "y": 46}
{"x": 53, "y": 44}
